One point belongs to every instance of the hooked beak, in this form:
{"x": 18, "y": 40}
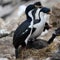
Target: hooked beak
{"x": 50, "y": 13}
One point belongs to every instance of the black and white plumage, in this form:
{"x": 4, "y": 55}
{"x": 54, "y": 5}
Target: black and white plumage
{"x": 37, "y": 19}
{"x": 22, "y": 33}
{"x": 32, "y": 6}
{"x": 39, "y": 26}
{"x": 35, "y": 13}
{"x": 41, "y": 43}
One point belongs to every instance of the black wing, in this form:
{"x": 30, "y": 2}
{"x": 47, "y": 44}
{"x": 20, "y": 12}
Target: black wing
{"x": 21, "y": 33}
{"x": 30, "y": 7}
{"x": 21, "y": 28}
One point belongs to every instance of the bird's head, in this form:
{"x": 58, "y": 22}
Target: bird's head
{"x": 45, "y": 13}
{"x": 38, "y": 4}
{"x": 45, "y": 10}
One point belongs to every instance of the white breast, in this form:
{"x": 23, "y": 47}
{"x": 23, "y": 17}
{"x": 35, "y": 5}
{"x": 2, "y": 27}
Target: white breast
{"x": 39, "y": 28}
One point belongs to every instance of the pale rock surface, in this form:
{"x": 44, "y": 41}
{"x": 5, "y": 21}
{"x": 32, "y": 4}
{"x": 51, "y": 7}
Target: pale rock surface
{"x": 4, "y": 59}
{"x": 2, "y": 23}
{"x": 55, "y": 18}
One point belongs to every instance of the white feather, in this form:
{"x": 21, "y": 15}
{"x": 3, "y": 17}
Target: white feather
{"x": 39, "y": 26}
{"x": 47, "y": 17}
{"x": 44, "y": 33}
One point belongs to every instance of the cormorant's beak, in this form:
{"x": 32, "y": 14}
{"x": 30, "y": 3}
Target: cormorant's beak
{"x": 50, "y": 12}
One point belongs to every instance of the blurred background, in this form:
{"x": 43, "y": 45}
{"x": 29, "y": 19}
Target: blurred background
{"x": 12, "y": 15}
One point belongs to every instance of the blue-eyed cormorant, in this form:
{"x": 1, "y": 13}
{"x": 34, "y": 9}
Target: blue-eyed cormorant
{"x": 22, "y": 33}
{"x": 37, "y": 19}
{"x": 39, "y": 27}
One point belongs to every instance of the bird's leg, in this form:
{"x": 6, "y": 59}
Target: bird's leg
{"x": 21, "y": 48}
{"x": 16, "y": 53}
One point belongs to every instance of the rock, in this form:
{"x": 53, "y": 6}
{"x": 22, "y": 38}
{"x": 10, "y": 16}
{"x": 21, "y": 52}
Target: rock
{"x": 10, "y": 24}
{"x": 49, "y": 3}
{"x": 6, "y": 1}
{"x": 56, "y": 9}
{"x": 15, "y": 2}
{"x": 21, "y": 10}
{"x": 2, "y": 27}
{"x": 56, "y": 56}
{"x": 55, "y": 52}
{"x": 4, "y": 59}
{"x": 3, "y": 30}
{"x": 30, "y": 58}
{"x": 16, "y": 19}
{"x": 49, "y": 51}
{"x": 6, "y": 48}
{"x": 55, "y": 18}
{"x": 2, "y": 23}
{"x": 8, "y": 10}
{"x": 48, "y": 58}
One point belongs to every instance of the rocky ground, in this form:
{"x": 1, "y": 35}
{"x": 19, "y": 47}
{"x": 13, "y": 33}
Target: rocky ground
{"x": 52, "y": 51}
{"x": 7, "y": 27}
